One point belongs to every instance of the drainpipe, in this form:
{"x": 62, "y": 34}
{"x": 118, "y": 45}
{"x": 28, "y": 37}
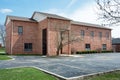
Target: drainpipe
{"x": 68, "y": 43}
{"x": 48, "y": 50}
{"x": 69, "y": 33}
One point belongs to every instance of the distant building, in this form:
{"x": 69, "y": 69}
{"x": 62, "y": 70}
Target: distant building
{"x": 38, "y": 34}
{"x": 116, "y": 44}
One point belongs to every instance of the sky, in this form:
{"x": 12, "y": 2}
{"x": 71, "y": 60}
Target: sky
{"x": 78, "y": 10}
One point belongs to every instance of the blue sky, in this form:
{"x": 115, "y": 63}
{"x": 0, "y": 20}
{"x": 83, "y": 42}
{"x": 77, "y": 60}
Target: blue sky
{"x": 79, "y": 10}
{"x": 27, "y": 7}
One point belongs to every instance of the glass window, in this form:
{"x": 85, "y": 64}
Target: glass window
{"x": 104, "y": 47}
{"x": 107, "y": 35}
{"x": 87, "y": 46}
{"x": 27, "y": 46}
{"x": 92, "y": 34}
{"x": 20, "y": 30}
{"x": 82, "y": 33}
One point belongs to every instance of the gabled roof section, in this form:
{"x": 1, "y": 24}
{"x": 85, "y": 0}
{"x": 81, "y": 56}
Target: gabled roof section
{"x": 89, "y": 24}
{"x": 116, "y": 41}
{"x": 9, "y": 17}
{"x": 51, "y": 15}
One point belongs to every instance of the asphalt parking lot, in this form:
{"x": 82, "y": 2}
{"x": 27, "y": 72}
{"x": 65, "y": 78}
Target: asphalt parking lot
{"x": 68, "y": 67}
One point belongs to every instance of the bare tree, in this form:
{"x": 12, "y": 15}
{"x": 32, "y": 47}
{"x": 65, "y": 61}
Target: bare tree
{"x": 109, "y": 11}
{"x": 64, "y": 36}
{"x": 2, "y": 34}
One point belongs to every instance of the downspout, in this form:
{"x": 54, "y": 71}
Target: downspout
{"x": 69, "y": 39}
{"x": 68, "y": 42}
{"x": 48, "y": 50}
{"x": 12, "y": 38}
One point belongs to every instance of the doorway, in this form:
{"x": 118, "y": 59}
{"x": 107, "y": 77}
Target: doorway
{"x": 44, "y": 41}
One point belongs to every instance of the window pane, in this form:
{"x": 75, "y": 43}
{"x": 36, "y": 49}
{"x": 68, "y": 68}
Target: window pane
{"x": 87, "y": 46}
{"x": 28, "y": 46}
{"x": 104, "y": 46}
{"x": 82, "y": 33}
{"x": 20, "y": 29}
{"x": 92, "y": 34}
{"x": 107, "y": 35}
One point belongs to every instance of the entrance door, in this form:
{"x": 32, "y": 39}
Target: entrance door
{"x": 44, "y": 41}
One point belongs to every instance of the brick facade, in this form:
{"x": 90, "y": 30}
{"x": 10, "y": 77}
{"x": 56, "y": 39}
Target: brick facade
{"x": 33, "y": 33}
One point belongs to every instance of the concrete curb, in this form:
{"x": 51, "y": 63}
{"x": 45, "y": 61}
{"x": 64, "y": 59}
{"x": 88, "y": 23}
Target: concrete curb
{"x": 82, "y": 77}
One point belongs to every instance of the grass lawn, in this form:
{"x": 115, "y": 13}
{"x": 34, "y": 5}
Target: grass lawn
{"x": 108, "y": 76}
{"x": 4, "y": 57}
{"x": 2, "y": 49}
{"x": 24, "y": 74}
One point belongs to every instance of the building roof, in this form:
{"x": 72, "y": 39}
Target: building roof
{"x": 19, "y": 18}
{"x": 52, "y": 15}
{"x": 89, "y": 24}
{"x": 116, "y": 41}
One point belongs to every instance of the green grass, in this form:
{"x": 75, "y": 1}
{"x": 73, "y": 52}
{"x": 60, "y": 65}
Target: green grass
{"x": 24, "y": 74}
{"x": 4, "y": 57}
{"x": 2, "y": 49}
{"x": 108, "y": 76}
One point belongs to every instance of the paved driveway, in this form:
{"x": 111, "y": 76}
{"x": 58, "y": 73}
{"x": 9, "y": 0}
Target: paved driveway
{"x": 68, "y": 67}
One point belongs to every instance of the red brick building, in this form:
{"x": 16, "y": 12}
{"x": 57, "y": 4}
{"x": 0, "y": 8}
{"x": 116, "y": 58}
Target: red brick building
{"x": 38, "y": 35}
{"x": 116, "y": 44}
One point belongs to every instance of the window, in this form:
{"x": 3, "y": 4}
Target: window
{"x": 104, "y": 47}
{"x": 92, "y": 34}
{"x": 20, "y": 30}
{"x": 27, "y": 46}
{"x": 100, "y": 35}
{"x": 107, "y": 35}
{"x": 82, "y": 33}
{"x": 87, "y": 46}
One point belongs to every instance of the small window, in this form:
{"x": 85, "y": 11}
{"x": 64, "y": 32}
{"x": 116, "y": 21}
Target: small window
{"x": 107, "y": 35}
{"x": 82, "y": 33}
{"x": 104, "y": 47}
{"x": 87, "y": 46}
{"x": 27, "y": 46}
{"x": 20, "y": 30}
{"x": 100, "y": 35}
{"x": 92, "y": 34}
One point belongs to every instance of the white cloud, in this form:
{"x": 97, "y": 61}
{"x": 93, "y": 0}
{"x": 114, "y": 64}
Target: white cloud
{"x": 71, "y": 3}
{"x": 6, "y": 11}
{"x": 116, "y": 31}
{"x": 87, "y": 13}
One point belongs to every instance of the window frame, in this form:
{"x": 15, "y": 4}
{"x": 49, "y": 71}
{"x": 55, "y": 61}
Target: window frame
{"x": 28, "y": 46}
{"x": 107, "y": 35}
{"x": 100, "y": 35}
{"x": 87, "y": 47}
{"x": 20, "y": 30}
{"x": 104, "y": 47}
{"x": 82, "y": 33}
{"x": 92, "y": 34}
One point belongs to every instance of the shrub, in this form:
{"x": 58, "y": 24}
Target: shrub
{"x": 94, "y": 51}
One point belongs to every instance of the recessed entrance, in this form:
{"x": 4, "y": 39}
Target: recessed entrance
{"x": 44, "y": 41}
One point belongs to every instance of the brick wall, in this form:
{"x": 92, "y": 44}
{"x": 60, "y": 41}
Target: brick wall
{"x": 29, "y": 36}
{"x": 8, "y": 37}
{"x": 32, "y": 33}
{"x": 95, "y": 42}
{"x": 55, "y": 26}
